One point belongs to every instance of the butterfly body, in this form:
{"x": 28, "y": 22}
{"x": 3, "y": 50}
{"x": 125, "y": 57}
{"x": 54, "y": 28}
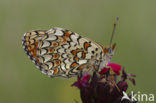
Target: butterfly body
{"x": 61, "y": 52}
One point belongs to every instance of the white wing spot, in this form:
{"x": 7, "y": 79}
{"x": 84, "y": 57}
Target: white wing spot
{"x": 47, "y": 57}
{"x": 82, "y": 61}
{"x": 58, "y": 32}
{"x": 52, "y": 37}
{"x": 74, "y": 38}
{"x": 61, "y": 50}
{"x": 45, "y": 44}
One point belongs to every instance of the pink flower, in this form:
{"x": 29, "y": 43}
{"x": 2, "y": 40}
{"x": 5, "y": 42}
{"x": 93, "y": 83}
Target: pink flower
{"x": 115, "y": 67}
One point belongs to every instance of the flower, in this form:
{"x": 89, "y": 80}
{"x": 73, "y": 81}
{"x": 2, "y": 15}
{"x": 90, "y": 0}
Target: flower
{"x": 103, "y": 87}
{"x": 115, "y": 67}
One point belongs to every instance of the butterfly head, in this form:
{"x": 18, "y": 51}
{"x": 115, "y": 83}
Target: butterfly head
{"x": 109, "y": 50}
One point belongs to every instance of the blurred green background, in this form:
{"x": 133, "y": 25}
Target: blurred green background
{"x": 21, "y": 82}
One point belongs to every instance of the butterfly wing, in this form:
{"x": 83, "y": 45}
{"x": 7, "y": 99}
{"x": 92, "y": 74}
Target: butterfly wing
{"x": 60, "y": 52}
{"x": 30, "y": 43}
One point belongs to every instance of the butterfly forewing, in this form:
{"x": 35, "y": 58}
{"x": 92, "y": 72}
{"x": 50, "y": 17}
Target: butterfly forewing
{"x": 60, "y": 52}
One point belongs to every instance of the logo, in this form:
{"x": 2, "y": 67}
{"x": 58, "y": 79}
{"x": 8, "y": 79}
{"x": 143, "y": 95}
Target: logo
{"x": 138, "y": 97}
{"x": 125, "y": 96}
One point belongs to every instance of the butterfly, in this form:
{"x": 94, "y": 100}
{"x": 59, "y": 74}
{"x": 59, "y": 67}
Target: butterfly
{"x": 61, "y": 52}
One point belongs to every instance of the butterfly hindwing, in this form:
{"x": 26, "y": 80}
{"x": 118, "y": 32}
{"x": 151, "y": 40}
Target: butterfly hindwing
{"x": 60, "y": 52}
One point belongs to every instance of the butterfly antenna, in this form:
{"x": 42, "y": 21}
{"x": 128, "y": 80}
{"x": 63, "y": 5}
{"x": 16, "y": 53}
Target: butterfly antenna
{"x": 114, "y": 29}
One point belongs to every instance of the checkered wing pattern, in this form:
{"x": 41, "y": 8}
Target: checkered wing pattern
{"x": 61, "y": 52}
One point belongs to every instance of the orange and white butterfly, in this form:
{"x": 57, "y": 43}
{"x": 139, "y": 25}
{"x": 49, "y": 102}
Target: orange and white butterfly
{"x": 61, "y": 52}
